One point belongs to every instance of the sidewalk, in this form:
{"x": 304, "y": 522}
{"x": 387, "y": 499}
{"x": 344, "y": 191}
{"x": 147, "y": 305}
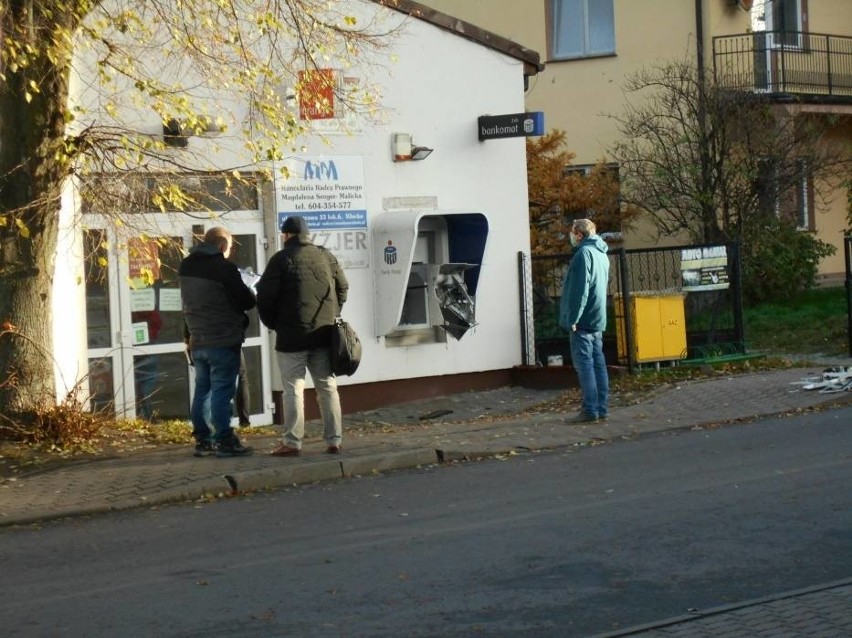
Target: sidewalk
{"x": 440, "y": 430}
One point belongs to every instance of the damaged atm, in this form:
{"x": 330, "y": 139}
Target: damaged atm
{"x": 428, "y": 264}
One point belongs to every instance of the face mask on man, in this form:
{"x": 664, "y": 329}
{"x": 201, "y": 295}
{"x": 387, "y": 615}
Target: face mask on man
{"x": 573, "y": 239}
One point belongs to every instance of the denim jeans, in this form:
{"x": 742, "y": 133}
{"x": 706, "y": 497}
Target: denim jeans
{"x": 241, "y": 397}
{"x": 216, "y": 372}
{"x": 588, "y": 360}
{"x": 293, "y": 366}
{"x": 147, "y": 374}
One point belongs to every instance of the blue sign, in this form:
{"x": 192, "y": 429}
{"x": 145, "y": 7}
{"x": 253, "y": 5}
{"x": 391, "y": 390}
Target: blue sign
{"x": 327, "y": 191}
{"x": 321, "y": 170}
{"x": 329, "y": 219}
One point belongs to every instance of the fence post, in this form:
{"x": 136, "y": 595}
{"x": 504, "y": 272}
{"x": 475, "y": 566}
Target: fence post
{"x": 624, "y": 275}
{"x": 737, "y": 294}
{"x": 523, "y": 289}
{"x": 828, "y": 64}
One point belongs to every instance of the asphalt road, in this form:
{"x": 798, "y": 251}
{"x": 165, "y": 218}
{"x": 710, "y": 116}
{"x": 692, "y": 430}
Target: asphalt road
{"x": 568, "y": 543}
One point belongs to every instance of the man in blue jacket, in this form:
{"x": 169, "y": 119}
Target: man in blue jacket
{"x": 214, "y": 300}
{"x": 583, "y": 314}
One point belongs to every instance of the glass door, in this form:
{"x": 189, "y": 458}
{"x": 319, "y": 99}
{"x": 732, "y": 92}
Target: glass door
{"x": 763, "y": 45}
{"x": 777, "y": 26}
{"x": 137, "y": 362}
{"x": 154, "y": 370}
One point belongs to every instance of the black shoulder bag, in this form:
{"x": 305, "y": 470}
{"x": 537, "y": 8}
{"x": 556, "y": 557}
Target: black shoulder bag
{"x": 345, "y": 348}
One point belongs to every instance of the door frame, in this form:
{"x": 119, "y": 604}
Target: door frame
{"x": 121, "y": 349}
{"x": 767, "y": 53}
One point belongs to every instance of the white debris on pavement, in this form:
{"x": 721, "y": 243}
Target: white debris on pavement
{"x": 837, "y": 379}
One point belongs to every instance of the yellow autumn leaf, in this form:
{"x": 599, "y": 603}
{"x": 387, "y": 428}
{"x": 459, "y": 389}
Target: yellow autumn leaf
{"x": 22, "y": 228}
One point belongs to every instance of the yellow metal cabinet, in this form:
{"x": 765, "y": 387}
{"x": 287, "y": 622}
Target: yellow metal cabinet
{"x": 659, "y": 327}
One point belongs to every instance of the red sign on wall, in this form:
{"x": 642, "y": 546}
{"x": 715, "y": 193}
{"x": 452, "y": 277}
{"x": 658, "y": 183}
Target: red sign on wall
{"x": 316, "y": 94}
{"x": 144, "y": 258}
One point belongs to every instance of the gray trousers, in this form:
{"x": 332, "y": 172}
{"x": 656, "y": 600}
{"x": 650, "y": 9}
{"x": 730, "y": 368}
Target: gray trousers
{"x": 293, "y": 366}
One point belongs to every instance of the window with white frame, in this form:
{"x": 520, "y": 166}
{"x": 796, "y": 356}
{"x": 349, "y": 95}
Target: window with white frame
{"x": 582, "y": 28}
{"x": 584, "y": 170}
{"x": 788, "y": 196}
{"x": 802, "y": 198}
{"x": 783, "y": 19}
{"x": 785, "y": 15}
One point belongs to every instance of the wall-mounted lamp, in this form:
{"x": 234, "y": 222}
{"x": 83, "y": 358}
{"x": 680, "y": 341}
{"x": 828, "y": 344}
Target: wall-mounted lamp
{"x": 174, "y": 135}
{"x": 403, "y": 149}
{"x": 177, "y": 135}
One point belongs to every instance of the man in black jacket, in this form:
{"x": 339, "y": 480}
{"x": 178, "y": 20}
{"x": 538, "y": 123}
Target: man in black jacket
{"x": 299, "y": 295}
{"x": 215, "y": 301}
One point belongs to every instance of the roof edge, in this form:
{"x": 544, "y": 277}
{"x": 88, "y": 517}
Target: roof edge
{"x": 531, "y": 59}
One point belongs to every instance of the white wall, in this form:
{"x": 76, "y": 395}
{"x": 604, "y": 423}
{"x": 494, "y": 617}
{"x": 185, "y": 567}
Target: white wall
{"x": 438, "y": 87}
{"x": 68, "y": 302}
{"x": 434, "y": 85}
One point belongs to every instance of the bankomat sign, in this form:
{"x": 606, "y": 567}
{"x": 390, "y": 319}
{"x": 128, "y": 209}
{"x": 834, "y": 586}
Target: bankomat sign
{"x": 495, "y": 127}
{"x": 321, "y": 170}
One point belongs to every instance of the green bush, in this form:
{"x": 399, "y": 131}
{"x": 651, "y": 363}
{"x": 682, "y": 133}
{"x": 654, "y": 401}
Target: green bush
{"x": 547, "y": 323}
{"x": 781, "y": 261}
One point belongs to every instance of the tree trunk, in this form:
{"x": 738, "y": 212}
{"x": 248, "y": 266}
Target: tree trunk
{"x": 26, "y": 346}
{"x": 33, "y": 168}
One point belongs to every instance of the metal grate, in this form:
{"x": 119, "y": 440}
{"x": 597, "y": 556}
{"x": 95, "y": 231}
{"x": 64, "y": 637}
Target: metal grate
{"x": 713, "y": 317}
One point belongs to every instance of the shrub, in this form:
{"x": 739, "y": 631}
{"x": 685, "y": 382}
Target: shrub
{"x": 781, "y": 261}
{"x": 63, "y": 427}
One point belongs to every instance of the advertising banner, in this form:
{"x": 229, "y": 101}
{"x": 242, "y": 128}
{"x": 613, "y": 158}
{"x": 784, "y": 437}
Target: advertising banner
{"x": 328, "y": 192}
{"x": 704, "y": 268}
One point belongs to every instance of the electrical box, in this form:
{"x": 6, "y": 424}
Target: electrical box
{"x": 659, "y": 327}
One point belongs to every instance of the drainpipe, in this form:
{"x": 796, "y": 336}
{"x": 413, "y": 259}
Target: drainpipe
{"x": 699, "y": 41}
{"x": 702, "y": 119}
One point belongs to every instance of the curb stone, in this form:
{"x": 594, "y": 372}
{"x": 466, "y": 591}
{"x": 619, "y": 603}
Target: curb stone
{"x": 156, "y": 476}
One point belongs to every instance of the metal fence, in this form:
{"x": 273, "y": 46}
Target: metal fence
{"x": 785, "y": 62}
{"x": 711, "y": 297}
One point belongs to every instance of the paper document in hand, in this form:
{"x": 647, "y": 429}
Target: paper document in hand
{"x": 250, "y": 278}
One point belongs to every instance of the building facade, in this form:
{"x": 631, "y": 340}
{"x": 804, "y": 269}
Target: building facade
{"x": 797, "y": 53}
{"x": 427, "y": 221}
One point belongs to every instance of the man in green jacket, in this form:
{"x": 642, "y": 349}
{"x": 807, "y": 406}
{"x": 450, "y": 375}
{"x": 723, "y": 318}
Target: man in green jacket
{"x": 302, "y": 290}
{"x": 582, "y": 313}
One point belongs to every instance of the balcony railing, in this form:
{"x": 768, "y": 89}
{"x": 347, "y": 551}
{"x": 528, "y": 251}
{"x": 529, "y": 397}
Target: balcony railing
{"x": 785, "y": 63}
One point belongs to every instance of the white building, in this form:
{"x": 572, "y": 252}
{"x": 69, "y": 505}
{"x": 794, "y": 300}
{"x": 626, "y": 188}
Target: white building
{"x": 392, "y": 222}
